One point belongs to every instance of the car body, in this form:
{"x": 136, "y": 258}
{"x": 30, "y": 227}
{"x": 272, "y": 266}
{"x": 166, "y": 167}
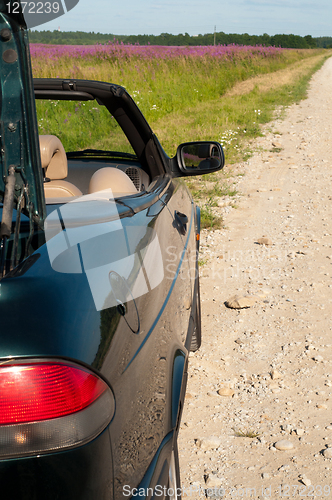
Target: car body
{"x": 99, "y": 296}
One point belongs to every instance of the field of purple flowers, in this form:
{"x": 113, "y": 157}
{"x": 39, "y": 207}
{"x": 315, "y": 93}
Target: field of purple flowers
{"x": 172, "y": 85}
{"x": 173, "y": 75}
{"x": 115, "y": 50}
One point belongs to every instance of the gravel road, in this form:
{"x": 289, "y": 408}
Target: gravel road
{"x": 257, "y": 421}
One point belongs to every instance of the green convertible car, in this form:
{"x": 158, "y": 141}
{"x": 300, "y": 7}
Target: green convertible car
{"x": 99, "y": 290}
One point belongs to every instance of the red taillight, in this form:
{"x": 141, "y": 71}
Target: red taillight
{"x": 42, "y": 391}
{"x": 50, "y": 405}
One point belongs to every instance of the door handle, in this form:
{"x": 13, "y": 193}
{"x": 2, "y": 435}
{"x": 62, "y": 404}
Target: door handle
{"x": 181, "y": 222}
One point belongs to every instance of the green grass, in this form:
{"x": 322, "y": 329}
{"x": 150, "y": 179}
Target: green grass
{"x": 244, "y": 126}
{"x": 207, "y": 190}
{"x": 232, "y": 120}
{"x": 209, "y": 220}
{"x": 81, "y": 125}
{"x": 172, "y": 85}
{"x": 183, "y": 99}
{"x": 248, "y": 434}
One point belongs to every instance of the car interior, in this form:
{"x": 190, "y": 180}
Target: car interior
{"x": 85, "y": 176}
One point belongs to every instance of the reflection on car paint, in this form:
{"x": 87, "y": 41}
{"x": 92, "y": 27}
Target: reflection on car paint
{"x": 78, "y": 243}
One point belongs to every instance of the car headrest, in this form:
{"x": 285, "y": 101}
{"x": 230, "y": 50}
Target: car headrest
{"x": 111, "y": 178}
{"x": 53, "y": 157}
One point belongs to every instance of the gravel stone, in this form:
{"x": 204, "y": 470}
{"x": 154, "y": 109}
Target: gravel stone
{"x": 240, "y": 302}
{"x": 284, "y": 445}
{"x": 264, "y": 241}
{"x": 327, "y": 453}
{"x": 210, "y": 443}
{"x": 275, "y": 374}
{"x": 226, "y": 391}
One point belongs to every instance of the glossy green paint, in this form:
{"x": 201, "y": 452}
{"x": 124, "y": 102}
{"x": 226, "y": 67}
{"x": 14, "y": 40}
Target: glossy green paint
{"x": 140, "y": 350}
{"x": 18, "y": 119}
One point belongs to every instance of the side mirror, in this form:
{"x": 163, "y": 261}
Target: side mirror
{"x": 197, "y": 158}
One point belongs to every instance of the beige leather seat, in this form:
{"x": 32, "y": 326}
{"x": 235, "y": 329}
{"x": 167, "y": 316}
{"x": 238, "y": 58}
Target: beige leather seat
{"x": 54, "y": 163}
{"x": 114, "y": 179}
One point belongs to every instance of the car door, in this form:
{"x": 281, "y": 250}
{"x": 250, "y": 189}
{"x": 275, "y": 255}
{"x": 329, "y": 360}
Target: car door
{"x": 142, "y": 334}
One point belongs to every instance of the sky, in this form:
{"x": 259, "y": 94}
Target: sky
{"x": 133, "y": 17}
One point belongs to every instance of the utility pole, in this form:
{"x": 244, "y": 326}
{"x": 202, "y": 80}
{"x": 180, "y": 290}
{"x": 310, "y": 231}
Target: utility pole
{"x": 214, "y": 35}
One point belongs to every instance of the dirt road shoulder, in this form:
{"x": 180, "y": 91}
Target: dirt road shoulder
{"x": 258, "y": 412}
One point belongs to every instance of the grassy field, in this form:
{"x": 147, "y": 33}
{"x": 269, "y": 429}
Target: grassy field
{"x": 186, "y": 93}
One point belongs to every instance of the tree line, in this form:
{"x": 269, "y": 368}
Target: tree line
{"x": 221, "y": 38}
